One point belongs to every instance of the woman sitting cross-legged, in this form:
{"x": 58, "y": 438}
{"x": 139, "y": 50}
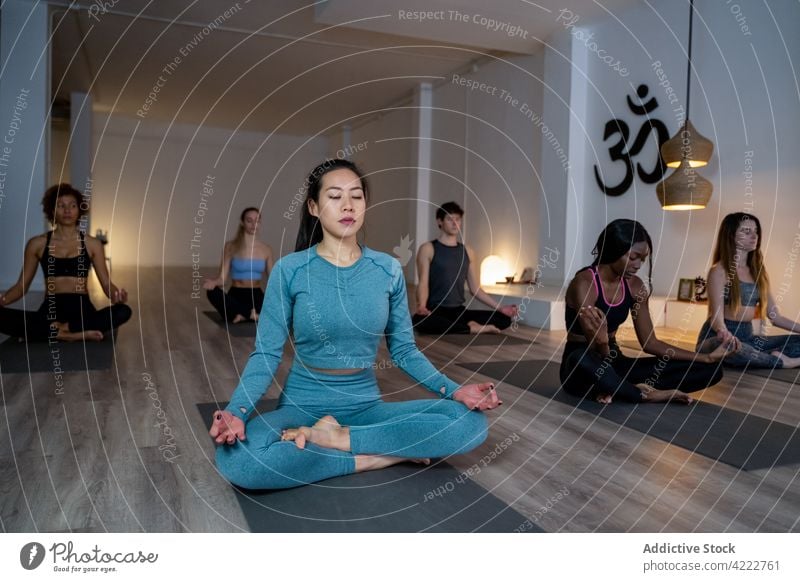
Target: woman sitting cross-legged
{"x": 66, "y": 256}
{"x": 738, "y": 292}
{"x": 338, "y": 299}
{"x": 245, "y": 260}
{"x": 599, "y": 299}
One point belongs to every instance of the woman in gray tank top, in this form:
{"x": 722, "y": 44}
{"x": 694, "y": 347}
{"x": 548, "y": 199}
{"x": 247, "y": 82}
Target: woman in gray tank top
{"x": 738, "y": 292}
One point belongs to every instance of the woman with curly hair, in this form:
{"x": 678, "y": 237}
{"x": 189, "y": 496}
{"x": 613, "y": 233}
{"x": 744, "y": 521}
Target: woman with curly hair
{"x": 65, "y": 255}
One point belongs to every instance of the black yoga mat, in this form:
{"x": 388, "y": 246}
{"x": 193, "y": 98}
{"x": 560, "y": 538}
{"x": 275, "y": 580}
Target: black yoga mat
{"x": 483, "y": 339}
{"x": 22, "y": 358}
{"x": 401, "y": 498}
{"x": 242, "y": 329}
{"x": 729, "y": 436}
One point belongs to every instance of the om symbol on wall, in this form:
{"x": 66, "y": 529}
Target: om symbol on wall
{"x": 622, "y": 152}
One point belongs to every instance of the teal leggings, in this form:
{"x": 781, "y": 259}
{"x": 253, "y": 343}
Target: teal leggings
{"x": 411, "y": 429}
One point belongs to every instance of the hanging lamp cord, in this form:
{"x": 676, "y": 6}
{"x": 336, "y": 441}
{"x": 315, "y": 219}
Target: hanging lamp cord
{"x": 689, "y": 67}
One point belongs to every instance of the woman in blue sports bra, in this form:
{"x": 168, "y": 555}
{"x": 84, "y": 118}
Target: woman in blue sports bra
{"x": 599, "y": 300}
{"x": 66, "y": 255}
{"x": 738, "y": 292}
{"x": 245, "y": 260}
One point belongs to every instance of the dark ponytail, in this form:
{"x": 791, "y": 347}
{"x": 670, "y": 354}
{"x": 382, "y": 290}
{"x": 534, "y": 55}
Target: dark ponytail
{"x": 617, "y": 239}
{"x": 310, "y": 232}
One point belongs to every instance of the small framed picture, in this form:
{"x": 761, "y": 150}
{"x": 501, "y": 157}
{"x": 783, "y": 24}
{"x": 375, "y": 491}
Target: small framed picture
{"x": 686, "y": 290}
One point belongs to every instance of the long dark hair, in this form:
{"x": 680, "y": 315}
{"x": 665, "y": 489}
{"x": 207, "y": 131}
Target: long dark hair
{"x": 725, "y": 254}
{"x": 617, "y": 239}
{"x": 238, "y": 240}
{"x": 310, "y": 232}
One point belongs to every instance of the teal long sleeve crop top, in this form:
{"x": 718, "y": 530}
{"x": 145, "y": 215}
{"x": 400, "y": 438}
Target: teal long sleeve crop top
{"x": 337, "y": 316}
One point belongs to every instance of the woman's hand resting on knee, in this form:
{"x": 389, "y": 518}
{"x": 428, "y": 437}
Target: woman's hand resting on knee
{"x": 478, "y": 396}
{"x": 226, "y": 428}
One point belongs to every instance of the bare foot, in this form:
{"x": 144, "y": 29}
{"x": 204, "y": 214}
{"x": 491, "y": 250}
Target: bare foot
{"x": 476, "y": 328}
{"x": 253, "y": 315}
{"x": 787, "y": 361}
{"x": 327, "y": 433}
{"x": 372, "y": 462}
{"x": 667, "y": 396}
{"x": 604, "y": 399}
{"x": 239, "y": 318}
{"x": 65, "y": 335}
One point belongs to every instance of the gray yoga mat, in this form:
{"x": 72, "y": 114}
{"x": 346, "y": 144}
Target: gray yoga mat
{"x": 729, "y": 436}
{"x": 790, "y": 376}
{"x": 401, "y": 498}
{"x": 243, "y": 329}
{"x": 483, "y": 339}
{"x": 23, "y": 358}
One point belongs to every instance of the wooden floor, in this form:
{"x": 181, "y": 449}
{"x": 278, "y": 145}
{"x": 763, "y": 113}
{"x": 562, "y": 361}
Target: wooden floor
{"x": 124, "y": 450}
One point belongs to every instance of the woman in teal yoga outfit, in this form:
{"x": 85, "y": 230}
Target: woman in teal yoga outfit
{"x": 245, "y": 260}
{"x": 338, "y": 299}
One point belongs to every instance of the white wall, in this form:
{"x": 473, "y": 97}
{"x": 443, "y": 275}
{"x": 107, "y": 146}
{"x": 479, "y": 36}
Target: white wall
{"x": 485, "y": 157}
{"x": 382, "y": 148}
{"x": 745, "y": 99}
{"x": 149, "y": 179}
{"x": 448, "y": 152}
{"x": 24, "y": 131}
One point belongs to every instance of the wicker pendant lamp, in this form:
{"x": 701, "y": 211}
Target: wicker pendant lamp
{"x": 688, "y": 142}
{"x": 685, "y": 189}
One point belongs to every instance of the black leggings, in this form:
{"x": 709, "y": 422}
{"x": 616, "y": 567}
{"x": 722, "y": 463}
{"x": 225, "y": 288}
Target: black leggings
{"x": 454, "y": 320}
{"x": 586, "y": 373}
{"x": 74, "y": 309}
{"x": 237, "y": 301}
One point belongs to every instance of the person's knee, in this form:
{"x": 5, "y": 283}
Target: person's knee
{"x": 242, "y": 467}
{"x": 474, "y": 430}
{"x": 233, "y": 464}
{"x": 693, "y": 376}
{"x": 121, "y": 313}
{"x": 472, "y": 426}
{"x": 480, "y": 426}
{"x": 590, "y": 362}
{"x": 715, "y": 375}
{"x": 792, "y": 347}
{"x": 502, "y": 321}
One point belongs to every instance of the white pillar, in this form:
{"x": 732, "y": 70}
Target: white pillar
{"x": 564, "y": 107}
{"x": 80, "y": 148}
{"x": 422, "y": 162}
{"x": 24, "y": 130}
{"x": 347, "y": 140}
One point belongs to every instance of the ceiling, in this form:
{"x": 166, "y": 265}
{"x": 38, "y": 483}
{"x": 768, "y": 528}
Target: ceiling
{"x": 287, "y": 66}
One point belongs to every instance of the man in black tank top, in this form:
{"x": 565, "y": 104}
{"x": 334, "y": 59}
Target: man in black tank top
{"x": 443, "y": 266}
